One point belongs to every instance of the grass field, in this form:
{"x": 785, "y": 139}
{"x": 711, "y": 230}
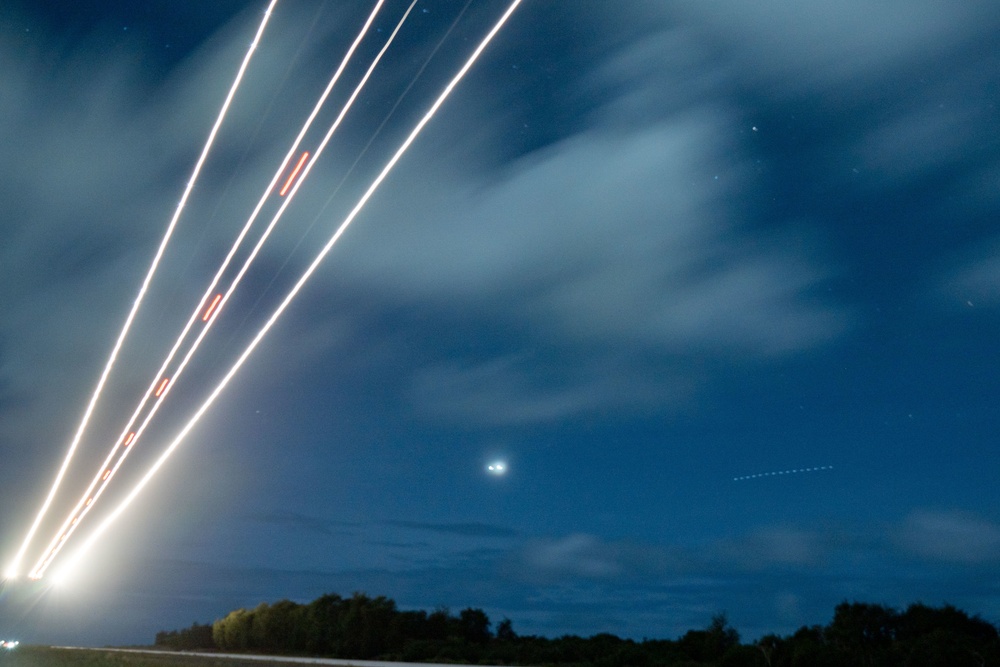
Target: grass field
{"x": 36, "y": 656}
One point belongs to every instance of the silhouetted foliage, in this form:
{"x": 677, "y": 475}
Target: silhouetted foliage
{"x": 362, "y": 627}
{"x": 195, "y": 637}
{"x": 710, "y": 644}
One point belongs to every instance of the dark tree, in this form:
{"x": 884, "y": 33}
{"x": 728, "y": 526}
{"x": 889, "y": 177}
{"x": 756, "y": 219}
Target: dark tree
{"x": 474, "y": 626}
{"x": 710, "y": 644}
{"x": 863, "y": 631}
{"x": 859, "y": 635}
{"x": 505, "y": 631}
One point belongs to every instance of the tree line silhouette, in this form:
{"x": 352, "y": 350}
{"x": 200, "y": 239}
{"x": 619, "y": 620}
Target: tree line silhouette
{"x": 362, "y": 627}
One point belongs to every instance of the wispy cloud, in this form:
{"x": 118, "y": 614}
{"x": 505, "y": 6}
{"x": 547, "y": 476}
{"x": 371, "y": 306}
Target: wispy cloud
{"x": 836, "y": 43}
{"x": 950, "y": 537}
{"x": 459, "y": 529}
{"x": 970, "y": 280}
{"x": 305, "y": 523}
{"x": 611, "y": 241}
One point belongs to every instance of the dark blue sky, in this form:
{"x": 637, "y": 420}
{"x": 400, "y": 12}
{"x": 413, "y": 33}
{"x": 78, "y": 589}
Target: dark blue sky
{"x": 646, "y": 248}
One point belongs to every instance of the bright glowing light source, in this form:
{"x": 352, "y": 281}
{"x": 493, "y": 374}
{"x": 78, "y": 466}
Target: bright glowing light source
{"x": 106, "y": 473}
{"x": 211, "y": 308}
{"x": 163, "y": 385}
{"x": 130, "y": 438}
{"x": 295, "y": 172}
{"x": 10, "y": 572}
{"x": 497, "y": 468}
{"x": 61, "y": 577}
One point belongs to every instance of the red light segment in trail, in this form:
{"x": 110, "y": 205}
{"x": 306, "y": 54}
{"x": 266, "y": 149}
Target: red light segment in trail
{"x": 130, "y": 438}
{"x": 105, "y": 475}
{"x": 211, "y": 308}
{"x": 163, "y": 385}
{"x": 89, "y": 500}
{"x": 295, "y": 172}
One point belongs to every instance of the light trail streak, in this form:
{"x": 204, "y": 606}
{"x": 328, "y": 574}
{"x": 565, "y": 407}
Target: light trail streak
{"x": 781, "y": 472}
{"x": 163, "y": 385}
{"x": 175, "y": 443}
{"x": 208, "y": 313}
{"x": 361, "y": 154}
{"x": 294, "y": 173}
{"x": 128, "y": 440}
{"x": 55, "y": 545}
{"x": 14, "y": 567}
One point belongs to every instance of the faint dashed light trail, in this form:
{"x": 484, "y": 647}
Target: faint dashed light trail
{"x": 777, "y": 473}
{"x": 137, "y": 489}
{"x": 14, "y": 567}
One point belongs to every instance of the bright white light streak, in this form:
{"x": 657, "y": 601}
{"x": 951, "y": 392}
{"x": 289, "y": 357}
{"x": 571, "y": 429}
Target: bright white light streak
{"x": 164, "y": 388}
{"x": 15, "y": 566}
{"x": 218, "y": 276}
{"x": 137, "y": 489}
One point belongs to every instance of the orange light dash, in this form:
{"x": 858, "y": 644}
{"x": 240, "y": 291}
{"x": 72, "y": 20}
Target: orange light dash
{"x": 163, "y": 385}
{"x": 106, "y": 473}
{"x": 295, "y": 172}
{"x": 211, "y": 308}
{"x": 128, "y": 440}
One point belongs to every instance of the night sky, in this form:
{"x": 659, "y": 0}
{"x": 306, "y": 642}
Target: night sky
{"x": 646, "y": 252}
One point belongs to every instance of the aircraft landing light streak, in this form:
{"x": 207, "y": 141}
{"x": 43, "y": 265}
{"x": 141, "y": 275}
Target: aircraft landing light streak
{"x": 305, "y": 174}
{"x": 210, "y": 400}
{"x": 56, "y": 544}
{"x": 232, "y": 252}
{"x": 47, "y": 555}
{"x": 208, "y": 313}
{"x": 16, "y": 563}
{"x": 295, "y": 172}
